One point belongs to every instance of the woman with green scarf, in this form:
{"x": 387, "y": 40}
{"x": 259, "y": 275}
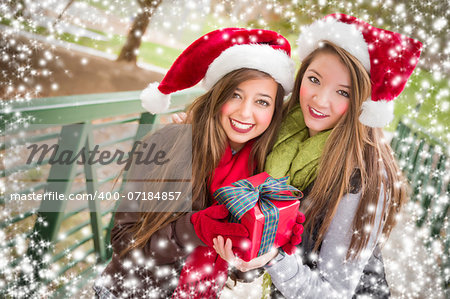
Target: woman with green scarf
{"x": 332, "y": 147}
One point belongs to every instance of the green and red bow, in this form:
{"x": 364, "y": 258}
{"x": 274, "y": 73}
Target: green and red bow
{"x": 242, "y": 196}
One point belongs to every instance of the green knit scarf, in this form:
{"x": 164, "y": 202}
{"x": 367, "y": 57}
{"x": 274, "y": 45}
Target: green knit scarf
{"x": 295, "y": 154}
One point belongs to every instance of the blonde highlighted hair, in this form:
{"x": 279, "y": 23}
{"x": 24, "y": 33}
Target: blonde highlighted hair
{"x": 353, "y": 153}
{"x": 209, "y": 140}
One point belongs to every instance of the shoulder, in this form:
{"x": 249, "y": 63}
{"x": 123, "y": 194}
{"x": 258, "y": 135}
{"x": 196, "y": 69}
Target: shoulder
{"x": 354, "y": 184}
{"x": 168, "y": 132}
{"x": 165, "y": 150}
{"x": 168, "y": 138}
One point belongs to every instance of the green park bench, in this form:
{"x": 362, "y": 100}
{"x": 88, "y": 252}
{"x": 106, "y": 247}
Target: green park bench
{"x": 75, "y": 250}
{"x": 76, "y": 120}
{"x": 424, "y": 161}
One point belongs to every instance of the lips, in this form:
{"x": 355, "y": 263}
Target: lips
{"x": 241, "y": 127}
{"x": 316, "y": 113}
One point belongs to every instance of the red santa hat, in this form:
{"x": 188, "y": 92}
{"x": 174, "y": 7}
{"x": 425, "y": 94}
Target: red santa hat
{"x": 217, "y": 53}
{"x": 389, "y": 57}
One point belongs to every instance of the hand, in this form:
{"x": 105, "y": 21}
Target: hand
{"x": 211, "y": 222}
{"x": 179, "y": 118}
{"x": 296, "y": 237}
{"x": 224, "y": 249}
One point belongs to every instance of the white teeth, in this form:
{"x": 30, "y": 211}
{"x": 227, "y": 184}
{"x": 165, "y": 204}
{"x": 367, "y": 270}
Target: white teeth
{"x": 317, "y": 112}
{"x": 240, "y": 126}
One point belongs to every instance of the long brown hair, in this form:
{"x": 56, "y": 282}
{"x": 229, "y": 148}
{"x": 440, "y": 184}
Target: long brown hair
{"x": 354, "y": 152}
{"x": 209, "y": 140}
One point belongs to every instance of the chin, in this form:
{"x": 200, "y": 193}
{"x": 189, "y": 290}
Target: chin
{"x": 315, "y": 128}
{"x": 240, "y": 142}
{"x": 310, "y": 124}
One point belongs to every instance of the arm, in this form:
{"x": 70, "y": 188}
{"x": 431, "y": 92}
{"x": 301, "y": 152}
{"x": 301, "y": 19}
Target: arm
{"x": 178, "y": 238}
{"x": 170, "y": 243}
{"x": 173, "y": 240}
{"x": 145, "y": 268}
{"x": 334, "y": 277}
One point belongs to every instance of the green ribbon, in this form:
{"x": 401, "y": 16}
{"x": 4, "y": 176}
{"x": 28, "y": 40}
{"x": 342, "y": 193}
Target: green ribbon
{"x": 243, "y": 196}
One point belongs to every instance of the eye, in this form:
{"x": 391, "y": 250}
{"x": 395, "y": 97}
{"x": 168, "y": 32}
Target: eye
{"x": 236, "y": 96}
{"x": 314, "y": 80}
{"x": 263, "y": 103}
{"x": 344, "y": 93}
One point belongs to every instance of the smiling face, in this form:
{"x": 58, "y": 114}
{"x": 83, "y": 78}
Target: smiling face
{"x": 324, "y": 92}
{"x": 248, "y": 113}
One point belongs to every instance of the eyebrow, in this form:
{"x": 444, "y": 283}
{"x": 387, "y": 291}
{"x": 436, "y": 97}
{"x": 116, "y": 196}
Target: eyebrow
{"x": 317, "y": 73}
{"x": 259, "y": 94}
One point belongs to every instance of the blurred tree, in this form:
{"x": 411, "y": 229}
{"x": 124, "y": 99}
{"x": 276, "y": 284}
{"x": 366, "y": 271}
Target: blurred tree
{"x": 62, "y": 12}
{"x": 140, "y": 24}
{"x": 17, "y": 7}
{"x": 426, "y": 21}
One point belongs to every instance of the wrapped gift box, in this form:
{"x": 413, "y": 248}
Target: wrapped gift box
{"x": 266, "y": 207}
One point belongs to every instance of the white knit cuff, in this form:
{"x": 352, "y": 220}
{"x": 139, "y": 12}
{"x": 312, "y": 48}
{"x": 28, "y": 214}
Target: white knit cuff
{"x": 285, "y": 267}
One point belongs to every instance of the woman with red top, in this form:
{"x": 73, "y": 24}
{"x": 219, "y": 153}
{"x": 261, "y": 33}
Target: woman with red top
{"x": 247, "y": 73}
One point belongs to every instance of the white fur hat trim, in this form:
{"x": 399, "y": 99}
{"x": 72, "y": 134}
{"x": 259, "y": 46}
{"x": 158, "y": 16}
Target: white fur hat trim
{"x": 264, "y": 58}
{"x": 376, "y": 114}
{"x": 153, "y": 100}
{"x": 344, "y": 35}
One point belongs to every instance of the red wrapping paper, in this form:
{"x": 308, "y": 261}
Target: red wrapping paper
{"x": 253, "y": 220}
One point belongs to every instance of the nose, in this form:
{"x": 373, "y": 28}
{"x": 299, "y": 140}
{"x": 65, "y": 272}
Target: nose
{"x": 321, "y": 98}
{"x": 245, "y": 109}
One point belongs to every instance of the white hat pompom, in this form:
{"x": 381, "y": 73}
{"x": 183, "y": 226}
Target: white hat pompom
{"x": 153, "y": 100}
{"x": 377, "y": 114}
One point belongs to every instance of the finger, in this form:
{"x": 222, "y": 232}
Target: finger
{"x": 176, "y": 118}
{"x": 221, "y": 254}
{"x": 296, "y": 229}
{"x": 182, "y": 116}
{"x": 233, "y": 259}
{"x": 220, "y": 245}
{"x": 228, "y": 251}
{"x": 223, "y": 249}
{"x": 217, "y": 248}
{"x": 228, "y": 244}
{"x": 296, "y": 239}
{"x": 179, "y": 118}
{"x": 300, "y": 217}
{"x": 301, "y": 229}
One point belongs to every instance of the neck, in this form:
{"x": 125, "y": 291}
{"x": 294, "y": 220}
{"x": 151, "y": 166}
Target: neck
{"x": 312, "y": 132}
{"x": 236, "y": 146}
